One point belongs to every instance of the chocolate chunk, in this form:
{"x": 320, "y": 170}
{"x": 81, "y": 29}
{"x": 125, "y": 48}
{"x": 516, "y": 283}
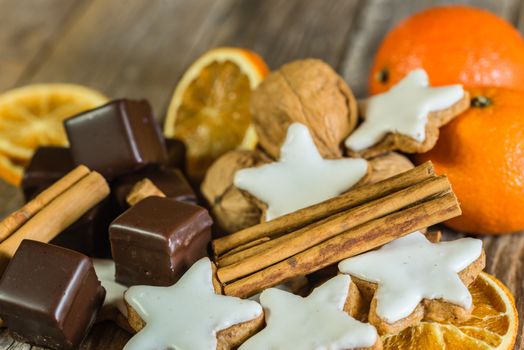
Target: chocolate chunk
{"x": 49, "y": 296}
{"x": 46, "y": 167}
{"x": 157, "y": 240}
{"x": 89, "y": 235}
{"x": 176, "y": 154}
{"x": 117, "y": 138}
{"x": 168, "y": 180}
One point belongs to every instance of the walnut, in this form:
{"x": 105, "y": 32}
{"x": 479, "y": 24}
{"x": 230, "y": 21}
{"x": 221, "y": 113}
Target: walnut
{"x": 232, "y": 208}
{"x": 309, "y": 92}
{"x": 386, "y": 165}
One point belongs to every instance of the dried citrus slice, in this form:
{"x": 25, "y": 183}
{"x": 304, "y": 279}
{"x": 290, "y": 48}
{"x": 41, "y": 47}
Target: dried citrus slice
{"x": 209, "y": 109}
{"x": 493, "y": 324}
{"x": 32, "y": 116}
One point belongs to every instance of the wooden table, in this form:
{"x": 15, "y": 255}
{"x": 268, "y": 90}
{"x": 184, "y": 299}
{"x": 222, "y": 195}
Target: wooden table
{"x": 140, "y": 48}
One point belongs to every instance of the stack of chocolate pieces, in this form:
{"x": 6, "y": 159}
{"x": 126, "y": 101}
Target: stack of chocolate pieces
{"x": 49, "y": 293}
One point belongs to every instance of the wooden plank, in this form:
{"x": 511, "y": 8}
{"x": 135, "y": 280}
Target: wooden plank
{"x": 105, "y": 335}
{"x": 136, "y": 51}
{"x": 283, "y": 30}
{"x": 29, "y": 28}
{"x": 142, "y": 50}
{"x": 129, "y": 50}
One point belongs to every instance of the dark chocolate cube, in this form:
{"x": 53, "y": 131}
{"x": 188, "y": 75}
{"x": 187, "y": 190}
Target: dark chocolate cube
{"x": 155, "y": 241}
{"x": 117, "y": 138}
{"x": 89, "y": 235}
{"x": 169, "y": 180}
{"x": 47, "y": 166}
{"x": 176, "y": 154}
{"x": 49, "y": 296}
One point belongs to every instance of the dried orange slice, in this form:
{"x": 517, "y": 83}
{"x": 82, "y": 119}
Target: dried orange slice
{"x": 209, "y": 109}
{"x": 493, "y": 324}
{"x": 32, "y": 116}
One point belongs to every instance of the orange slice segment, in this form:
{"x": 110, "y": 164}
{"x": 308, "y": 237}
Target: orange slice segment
{"x": 493, "y": 324}
{"x": 209, "y": 109}
{"x": 32, "y": 116}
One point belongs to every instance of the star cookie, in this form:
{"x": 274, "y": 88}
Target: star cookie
{"x": 301, "y": 177}
{"x": 190, "y": 314}
{"x": 411, "y": 279}
{"x": 114, "y": 307}
{"x": 319, "y": 321}
{"x": 105, "y": 271}
{"x": 407, "y": 117}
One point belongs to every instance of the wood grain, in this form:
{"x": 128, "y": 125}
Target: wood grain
{"x": 29, "y": 28}
{"x": 141, "y": 48}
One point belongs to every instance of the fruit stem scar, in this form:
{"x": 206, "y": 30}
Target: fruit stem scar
{"x": 383, "y": 75}
{"x": 481, "y": 101}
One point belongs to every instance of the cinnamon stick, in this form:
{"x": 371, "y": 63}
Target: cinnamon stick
{"x": 17, "y": 218}
{"x": 303, "y": 217}
{"x": 58, "y": 214}
{"x": 143, "y": 189}
{"x": 362, "y": 238}
{"x": 268, "y": 253}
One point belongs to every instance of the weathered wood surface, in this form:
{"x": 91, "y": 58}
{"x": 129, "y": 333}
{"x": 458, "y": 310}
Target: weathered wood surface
{"x": 140, "y": 48}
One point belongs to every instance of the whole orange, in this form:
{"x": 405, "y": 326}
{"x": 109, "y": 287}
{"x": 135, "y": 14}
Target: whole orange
{"x": 454, "y": 44}
{"x": 482, "y": 153}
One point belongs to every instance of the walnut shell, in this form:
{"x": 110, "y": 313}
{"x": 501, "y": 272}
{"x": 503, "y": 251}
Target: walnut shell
{"x": 232, "y": 208}
{"x": 386, "y": 165}
{"x": 309, "y": 92}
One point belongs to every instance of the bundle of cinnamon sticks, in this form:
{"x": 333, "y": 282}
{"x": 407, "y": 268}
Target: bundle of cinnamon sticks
{"x": 52, "y": 211}
{"x": 312, "y": 238}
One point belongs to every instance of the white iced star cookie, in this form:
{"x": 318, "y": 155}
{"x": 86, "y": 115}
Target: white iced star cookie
{"x": 190, "y": 314}
{"x": 411, "y": 278}
{"x": 312, "y": 323}
{"x": 105, "y": 270}
{"x": 407, "y": 117}
{"x": 301, "y": 177}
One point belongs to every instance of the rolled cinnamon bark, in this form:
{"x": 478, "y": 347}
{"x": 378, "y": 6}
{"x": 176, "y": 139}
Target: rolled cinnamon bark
{"x": 360, "y": 239}
{"x": 58, "y": 214}
{"x": 314, "y": 213}
{"x": 253, "y": 259}
{"x": 17, "y": 218}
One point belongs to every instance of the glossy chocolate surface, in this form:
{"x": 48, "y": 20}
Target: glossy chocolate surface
{"x": 47, "y": 166}
{"x": 49, "y": 296}
{"x": 89, "y": 235}
{"x": 157, "y": 240}
{"x": 117, "y": 138}
{"x": 169, "y": 180}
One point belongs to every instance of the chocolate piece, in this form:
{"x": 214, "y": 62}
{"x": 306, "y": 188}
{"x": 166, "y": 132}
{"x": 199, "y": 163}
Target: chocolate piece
{"x": 46, "y": 167}
{"x": 176, "y": 154}
{"x": 168, "y": 180}
{"x": 89, "y": 235}
{"x": 49, "y": 296}
{"x": 157, "y": 240}
{"x": 117, "y": 138}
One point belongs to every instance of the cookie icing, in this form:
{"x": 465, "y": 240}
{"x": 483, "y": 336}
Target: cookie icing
{"x": 188, "y": 314}
{"x": 105, "y": 270}
{"x": 312, "y": 323}
{"x": 301, "y": 177}
{"x": 403, "y": 109}
{"x": 412, "y": 268}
